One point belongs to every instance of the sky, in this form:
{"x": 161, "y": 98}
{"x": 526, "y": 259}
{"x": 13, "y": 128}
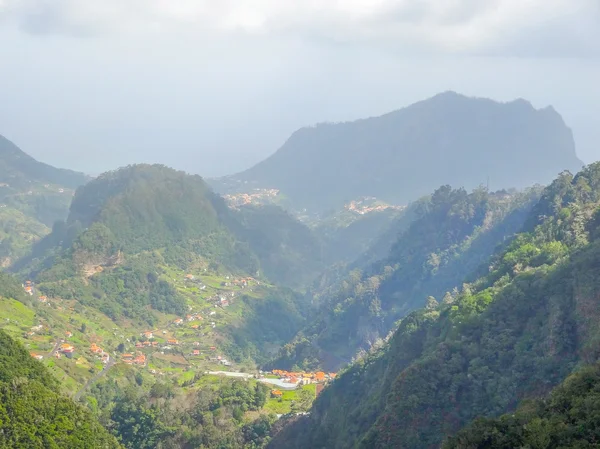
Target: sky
{"x": 213, "y": 87}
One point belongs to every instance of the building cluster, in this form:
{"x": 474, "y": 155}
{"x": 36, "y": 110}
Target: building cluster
{"x": 368, "y": 205}
{"x": 303, "y": 377}
{"x": 67, "y": 349}
{"x": 188, "y": 318}
{"x": 137, "y": 359}
{"x": 259, "y": 196}
{"x": 29, "y": 288}
{"x": 97, "y": 350}
{"x": 146, "y": 344}
{"x": 34, "y": 330}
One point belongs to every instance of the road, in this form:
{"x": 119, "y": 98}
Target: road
{"x": 94, "y": 379}
{"x": 54, "y": 349}
{"x": 276, "y": 382}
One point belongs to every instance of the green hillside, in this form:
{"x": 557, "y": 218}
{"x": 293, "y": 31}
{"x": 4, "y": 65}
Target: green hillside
{"x": 568, "y": 418}
{"x": 515, "y": 332}
{"x": 449, "y": 237}
{"x": 194, "y": 407}
{"x": 32, "y": 412}
{"x": 147, "y": 248}
{"x": 37, "y": 189}
{"x": 18, "y": 234}
{"x": 146, "y": 208}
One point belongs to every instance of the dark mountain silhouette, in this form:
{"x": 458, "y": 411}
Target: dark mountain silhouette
{"x": 400, "y": 156}
{"x": 18, "y": 168}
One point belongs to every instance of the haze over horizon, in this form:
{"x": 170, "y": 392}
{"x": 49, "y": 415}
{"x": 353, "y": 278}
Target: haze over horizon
{"x": 213, "y": 89}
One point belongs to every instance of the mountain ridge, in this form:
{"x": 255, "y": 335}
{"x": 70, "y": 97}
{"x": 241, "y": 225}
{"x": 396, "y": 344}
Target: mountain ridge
{"x": 16, "y": 160}
{"x": 449, "y": 138}
{"x": 513, "y": 333}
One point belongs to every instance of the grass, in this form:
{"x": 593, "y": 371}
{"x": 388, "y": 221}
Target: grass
{"x": 187, "y": 376}
{"x": 283, "y": 405}
{"x": 62, "y": 316}
{"x": 15, "y": 316}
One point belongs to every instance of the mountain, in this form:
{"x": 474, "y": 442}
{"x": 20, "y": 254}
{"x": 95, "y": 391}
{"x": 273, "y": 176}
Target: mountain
{"x": 35, "y": 188}
{"x": 33, "y": 414}
{"x": 147, "y": 247}
{"x": 165, "y": 398}
{"x": 403, "y": 155}
{"x": 145, "y": 208}
{"x": 18, "y": 234}
{"x": 515, "y": 332}
{"x": 440, "y": 242}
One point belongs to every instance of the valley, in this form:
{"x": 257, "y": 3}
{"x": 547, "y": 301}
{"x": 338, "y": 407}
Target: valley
{"x": 324, "y": 314}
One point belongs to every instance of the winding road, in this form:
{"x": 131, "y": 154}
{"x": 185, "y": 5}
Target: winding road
{"x": 95, "y": 378}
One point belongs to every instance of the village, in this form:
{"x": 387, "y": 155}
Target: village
{"x": 368, "y": 205}
{"x": 181, "y": 343}
{"x": 258, "y": 196}
{"x": 80, "y": 345}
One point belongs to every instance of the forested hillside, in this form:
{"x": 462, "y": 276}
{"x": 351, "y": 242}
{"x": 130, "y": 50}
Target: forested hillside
{"x": 18, "y": 234}
{"x": 446, "y": 238}
{"x": 403, "y": 155}
{"x": 568, "y": 418}
{"x": 147, "y": 247}
{"x": 33, "y": 414}
{"x": 37, "y": 189}
{"x": 167, "y": 319}
{"x": 148, "y": 208}
{"x": 513, "y": 333}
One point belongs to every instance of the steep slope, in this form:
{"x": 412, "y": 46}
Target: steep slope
{"x": 568, "y": 418}
{"x": 147, "y": 208}
{"x": 347, "y": 235}
{"x": 33, "y": 414}
{"x": 147, "y": 247}
{"x": 514, "y": 333}
{"x": 403, "y": 155}
{"x": 452, "y": 234}
{"x": 35, "y": 188}
{"x": 19, "y": 168}
{"x": 18, "y": 234}
{"x": 168, "y": 401}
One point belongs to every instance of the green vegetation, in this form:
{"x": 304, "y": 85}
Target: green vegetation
{"x": 36, "y": 189}
{"x": 515, "y": 332}
{"x": 292, "y": 401}
{"x": 18, "y": 233}
{"x": 288, "y": 251}
{"x": 570, "y": 417}
{"x": 33, "y": 414}
{"x": 451, "y": 236}
{"x": 347, "y": 235}
{"x": 215, "y": 412}
{"x": 156, "y": 283}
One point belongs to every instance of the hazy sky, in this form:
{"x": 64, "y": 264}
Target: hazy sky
{"x": 214, "y": 86}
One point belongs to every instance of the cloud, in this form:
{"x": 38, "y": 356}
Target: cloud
{"x": 513, "y": 27}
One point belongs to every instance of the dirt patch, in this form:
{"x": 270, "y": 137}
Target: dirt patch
{"x": 171, "y": 358}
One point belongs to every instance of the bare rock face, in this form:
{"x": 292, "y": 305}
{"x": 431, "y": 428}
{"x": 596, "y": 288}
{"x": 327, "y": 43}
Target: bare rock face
{"x": 99, "y": 264}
